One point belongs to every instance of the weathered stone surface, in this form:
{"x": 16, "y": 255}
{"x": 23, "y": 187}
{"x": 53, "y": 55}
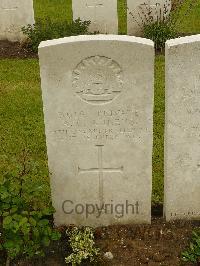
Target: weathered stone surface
{"x": 102, "y": 14}
{"x": 14, "y": 14}
{"x": 141, "y": 12}
{"x": 182, "y": 137}
{"x": 98, "y": 106}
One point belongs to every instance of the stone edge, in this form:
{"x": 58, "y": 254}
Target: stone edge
{"x": 183, "y": 40}
{"x": 100, "y": 37}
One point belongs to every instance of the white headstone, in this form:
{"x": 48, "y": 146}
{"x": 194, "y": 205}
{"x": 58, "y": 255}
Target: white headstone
{"x": 102, "y": 14}
{"x": 182, "y": 134}
{"x": 14, "y": 14}
{"x": 140, "y": 12}
{"x": 98, "y": 106}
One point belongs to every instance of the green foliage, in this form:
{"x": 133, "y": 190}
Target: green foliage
{"x": 193, "y": 252}
{"x": 47, "y": 29}
{"x": 162, "y": 28}
{"x": 25, "y": 228}
{"x": 158, "y": 129}
{"x": 156, "y": 25}
{"x": 159, "y": 32}
{"x": 22, "y": 122}
{"x": 82, "y": 244}
{"x": 167, "y": 25}
{"x": 56, "y": 10}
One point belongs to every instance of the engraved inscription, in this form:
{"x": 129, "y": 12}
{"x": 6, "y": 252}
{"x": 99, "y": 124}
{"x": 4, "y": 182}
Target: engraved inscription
{"x": 101, "y": 125}
{"x": 189, "y": 96}
{"x": 97, "y": 4}
{"x": 100, "y": 170}
{"x": 6, "y": 8}
{"x": 97, "y": 80}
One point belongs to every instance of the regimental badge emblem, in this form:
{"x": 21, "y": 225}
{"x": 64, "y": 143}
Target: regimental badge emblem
{"x": 97, "y": 80}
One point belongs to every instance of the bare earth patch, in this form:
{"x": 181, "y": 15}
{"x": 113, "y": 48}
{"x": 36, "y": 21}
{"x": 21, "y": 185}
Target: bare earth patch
{"x": 160, "y": 243}
{"x": 14, "y": 50}
{"x": 157, "y": 244}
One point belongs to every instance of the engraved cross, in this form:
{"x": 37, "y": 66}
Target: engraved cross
{"x": 101, "y": 170}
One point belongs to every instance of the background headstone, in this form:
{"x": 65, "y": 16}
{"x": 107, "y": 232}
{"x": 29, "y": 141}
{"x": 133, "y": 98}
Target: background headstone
{"x": 14, "y": 14}
{"x": 182, "y": 134}
{"x": 98, "y": 108}
{"x": 141, "y": 11}
{"x": 102, "y": 14}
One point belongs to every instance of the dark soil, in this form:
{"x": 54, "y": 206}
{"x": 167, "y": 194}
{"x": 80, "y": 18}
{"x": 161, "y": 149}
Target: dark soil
{"x": 160, "y": 243}
{"x": 157, "y": 244}
{"x": 15, "y": 50}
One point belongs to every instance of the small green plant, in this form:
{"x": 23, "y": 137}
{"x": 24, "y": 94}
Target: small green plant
{"x": 193, "y": 252}
{"x": 160, "y": 23}
{"x": 47, "y": 29}
{"x": 25, "y": 228}
{"x": 155, "y": 23}
{"x": 161, "y": 29}
{"x": 159, "y": 33}
{"x": 82, "y": 244}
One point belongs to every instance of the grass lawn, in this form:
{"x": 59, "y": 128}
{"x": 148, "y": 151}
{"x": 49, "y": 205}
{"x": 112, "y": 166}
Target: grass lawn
{"x": 62, "y": 10}
{"x": 22, "y": 125}
{"x": 21, "y": 116}
{"x": 189, "y": 18}
{"x": 56, "y": 9}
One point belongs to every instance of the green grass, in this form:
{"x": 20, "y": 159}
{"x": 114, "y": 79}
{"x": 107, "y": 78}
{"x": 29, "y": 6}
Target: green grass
{"x": 21, "y": 116}
{"x": 189, "y": 17}
{"x": 60, "y": 10}
{"x": 22, "y": 123}
{"x": 21, "y": 107}
{"x": 158, "y": 141}
{"x": 122, "y": 13}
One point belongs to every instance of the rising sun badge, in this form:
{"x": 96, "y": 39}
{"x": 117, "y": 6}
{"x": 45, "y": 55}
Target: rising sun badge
{"x": 97, "y": 80}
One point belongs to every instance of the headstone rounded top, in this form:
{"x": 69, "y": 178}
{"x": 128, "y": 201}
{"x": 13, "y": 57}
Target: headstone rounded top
{"x": 98, "y": 108}
{"x": 98, "y": 37}
{"x": 183, "y": 40}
